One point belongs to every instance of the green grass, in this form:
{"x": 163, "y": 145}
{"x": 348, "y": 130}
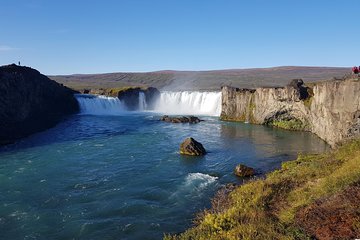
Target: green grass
{"x": 265, "y": 208}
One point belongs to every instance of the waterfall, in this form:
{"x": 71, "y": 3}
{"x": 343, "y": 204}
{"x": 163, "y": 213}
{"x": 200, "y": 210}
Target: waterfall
{"x": 189, "y": 103}
{"x": 172, "y": 103}
{"x": 99, "y": 105}
{"x": 142, "y": 102}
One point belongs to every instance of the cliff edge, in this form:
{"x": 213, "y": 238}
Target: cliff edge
{"x": 30, "y": 102}
{"x": 329, "y": 109}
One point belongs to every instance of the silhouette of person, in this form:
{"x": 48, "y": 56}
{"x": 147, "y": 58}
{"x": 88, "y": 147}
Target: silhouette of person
{"x": 19, "y": 63}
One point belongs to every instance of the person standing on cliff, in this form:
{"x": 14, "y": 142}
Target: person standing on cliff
{"x": 19, "y": 63}
{"x": 355, "y": 70}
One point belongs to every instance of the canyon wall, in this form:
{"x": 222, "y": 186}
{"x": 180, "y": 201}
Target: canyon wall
{"x": 329, "y": 109}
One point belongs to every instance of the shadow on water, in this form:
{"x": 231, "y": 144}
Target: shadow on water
{"x": 79, "y": 128}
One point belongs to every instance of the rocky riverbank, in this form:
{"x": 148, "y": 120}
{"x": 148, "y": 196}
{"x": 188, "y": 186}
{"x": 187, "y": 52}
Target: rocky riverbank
{"x": 329, "y": 109}
{"x": 30, "y": 102}
{"x": 313, "y": 197}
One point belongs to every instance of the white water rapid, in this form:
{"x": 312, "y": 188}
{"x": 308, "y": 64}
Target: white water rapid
{"x": 171, "y": 103}
{"x": 142, "y": 102}
{"x": 189, "y": 103}
{"x": 100, "y": 105}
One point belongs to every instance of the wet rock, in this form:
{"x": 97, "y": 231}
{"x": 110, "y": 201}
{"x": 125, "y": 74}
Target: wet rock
{"x": 192, "y": 147}
{"x": 184, "y": 119}
{"x": 244, "y": 171}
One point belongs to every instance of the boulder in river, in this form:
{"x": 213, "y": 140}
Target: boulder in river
{"x": 244, "y": 171}
{"x": 192, "y": 147}
{"x": 184, "y": 119}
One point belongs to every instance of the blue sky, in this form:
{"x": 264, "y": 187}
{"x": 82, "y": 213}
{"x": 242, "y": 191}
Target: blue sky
{"x": 78, "y": 36}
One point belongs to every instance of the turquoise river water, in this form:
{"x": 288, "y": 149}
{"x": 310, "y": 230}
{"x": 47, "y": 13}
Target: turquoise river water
{"x": 121, "y": 176}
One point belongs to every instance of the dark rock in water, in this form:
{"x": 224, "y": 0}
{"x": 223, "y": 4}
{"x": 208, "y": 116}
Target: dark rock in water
{"x": 244, "y": 171}
{"x": 31, "y": 102}
{"x": 192, "y": 147}
{"x": 130, "y": 96}
{"x": 184, "y": 119}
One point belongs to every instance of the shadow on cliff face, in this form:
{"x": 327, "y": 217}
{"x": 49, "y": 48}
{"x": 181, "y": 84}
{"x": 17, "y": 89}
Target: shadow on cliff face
{"x": 31, "y": 102}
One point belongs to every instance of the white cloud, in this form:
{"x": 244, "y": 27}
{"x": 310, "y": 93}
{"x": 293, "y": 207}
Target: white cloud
{"x": 4, "y": 48}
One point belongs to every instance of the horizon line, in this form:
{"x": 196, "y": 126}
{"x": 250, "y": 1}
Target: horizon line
{"x": 205, "y": 70}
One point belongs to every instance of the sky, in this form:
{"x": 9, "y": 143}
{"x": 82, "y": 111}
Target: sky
{"x": 99, "y": 36}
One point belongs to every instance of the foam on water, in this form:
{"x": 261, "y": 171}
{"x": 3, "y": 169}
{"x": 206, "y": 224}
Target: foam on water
{"x": 194, "y": 185}
{"x": 199, "y": 181}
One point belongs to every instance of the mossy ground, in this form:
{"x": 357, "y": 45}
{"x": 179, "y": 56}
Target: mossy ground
{"x": 266, "y": 208}
{"x": 292, "y": 124}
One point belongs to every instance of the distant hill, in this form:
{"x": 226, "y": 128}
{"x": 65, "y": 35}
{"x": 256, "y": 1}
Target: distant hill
{"x": 202, "y": 80}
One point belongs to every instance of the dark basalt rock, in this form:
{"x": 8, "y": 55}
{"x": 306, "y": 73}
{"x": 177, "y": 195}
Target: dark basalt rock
{"x": 30, "y": 102}
{"x": 244, "y": 171}
{"x": 298, "y": 85}
{"x": 184, "y": 119}
{"x": 192, "y": 147}
{"x": 130, "y": 97}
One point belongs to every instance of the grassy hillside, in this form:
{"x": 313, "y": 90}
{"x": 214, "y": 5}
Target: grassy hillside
{"x": 202, "y": 80}
{"x": 313, "y": 196}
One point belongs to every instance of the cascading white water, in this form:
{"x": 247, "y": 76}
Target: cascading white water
{"x": 99, "y": 105}
{"x": 142, "y": 102}
{"x": 172, "y": 103}
{"x": 189, "y": 103}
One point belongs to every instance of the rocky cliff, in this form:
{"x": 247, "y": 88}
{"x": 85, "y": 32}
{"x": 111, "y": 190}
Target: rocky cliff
{"x": 329, "y": 109}
{"x": 30, "y": 102}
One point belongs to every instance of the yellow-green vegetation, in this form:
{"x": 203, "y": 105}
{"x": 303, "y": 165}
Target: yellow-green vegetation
{"x": 266, "y": 208}
{"x": 292, "y": 124}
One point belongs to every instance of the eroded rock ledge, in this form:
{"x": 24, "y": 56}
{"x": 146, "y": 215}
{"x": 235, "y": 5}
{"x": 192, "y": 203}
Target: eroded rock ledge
{"x": 329, "y": 109}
